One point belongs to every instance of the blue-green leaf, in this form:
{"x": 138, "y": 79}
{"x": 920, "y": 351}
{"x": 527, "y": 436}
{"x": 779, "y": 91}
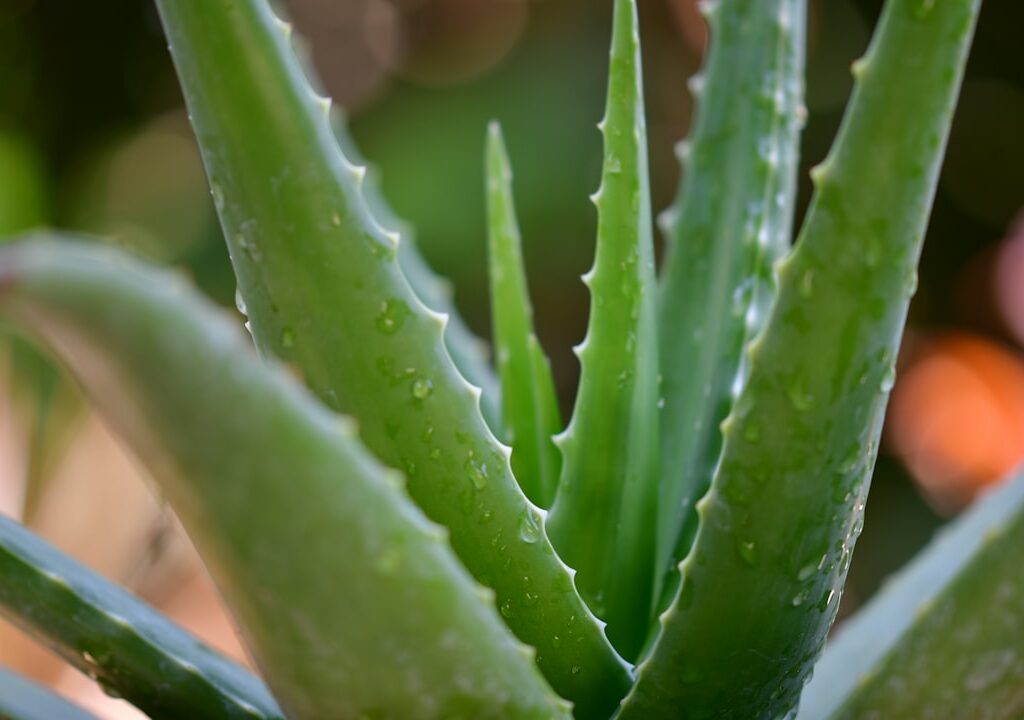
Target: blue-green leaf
{"x": 22, "y": 699}
{"x": 131, "y": 650}
{"x": 945, "y": 637}
{"x": 349, "y": 598}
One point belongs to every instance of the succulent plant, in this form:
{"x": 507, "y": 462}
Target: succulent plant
{"x": 402, "y": 532}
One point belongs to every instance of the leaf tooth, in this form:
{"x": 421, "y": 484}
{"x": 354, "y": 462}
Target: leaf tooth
{"x": 858, "y": 67}
{"x": 820, "y": 174}
{"x": 667, "y": 219}
{"x": 695, "y": 84}
{"x": 708, "y": 9}
{"x": 284, "y": 26}
{"x": 682, "y": 150}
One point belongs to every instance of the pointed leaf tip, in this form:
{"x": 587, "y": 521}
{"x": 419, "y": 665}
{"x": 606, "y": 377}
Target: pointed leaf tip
{"x": 600, "y": 520}
{"x": 531, "y": 414}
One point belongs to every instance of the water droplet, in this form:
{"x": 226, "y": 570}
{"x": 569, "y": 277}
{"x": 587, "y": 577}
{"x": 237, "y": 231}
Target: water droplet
{"x": 924, "y": 9}
{"x": 335, "y": 219}
{"x": 807, "y": 284}
{"x": 218, "y": 196}
{"x": 799, "y": 598}
{"x": 422, "y": 388}
{"x": 661, "y": 403}
{"x": 506, "y": 608}
{"x": 806, "y": 572}
{"x": 747, "y": 551}
{"x": 240, "y": 302}
{"x": 392, "y": 316}
{"x": 529, "y": 530}
{"x": 575, "y": 669}
{"x": 798, "y": 396}
{"x": 612, "y": 164}
{"x": 287, "y": 338}
{"x": 249, "y": 247}
{"x": 477, "y": 472}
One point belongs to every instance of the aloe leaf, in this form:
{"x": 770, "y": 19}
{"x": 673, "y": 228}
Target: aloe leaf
{"x": 350, "y": 600}
{"x": 760, "y": 586}
{"x": 468, "y": 352}
{"x": 945, "y": 637}
{"x": 601, "y": 520}
{"x": 22, "y": 699}
{"x": 731, "y": 220}
{"x": 530, "y": 408}
{"x": 131, "y": 650}
{"x": 324, "y": 290}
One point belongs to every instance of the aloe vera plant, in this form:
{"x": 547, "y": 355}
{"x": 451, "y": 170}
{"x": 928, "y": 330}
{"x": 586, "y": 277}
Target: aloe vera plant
{"x": 676, "y": 550}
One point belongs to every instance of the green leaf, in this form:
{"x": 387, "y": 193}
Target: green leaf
{"x": 945, "y": 637}
{"x": 531, "y": 417}
{"x": 350, "y": 600}
{"x": 468, "y": 352}
{"x": 21, "y": 699}
{"x": 324, "y": 291}
{"x": 761, "y": 585}
{"x": 601, "y": 520}
{"x": 731, "y": 220}
{"x": 131, "y": 650}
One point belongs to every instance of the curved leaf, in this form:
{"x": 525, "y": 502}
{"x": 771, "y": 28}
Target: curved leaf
{"x": 761, "y": 585}
{"x": 22, "y": 699}
{"x": 350, "y": 600}
{"x": 945, "y": 637}
{"x": 324, "y": 290}
{"x": 131, "y": 650}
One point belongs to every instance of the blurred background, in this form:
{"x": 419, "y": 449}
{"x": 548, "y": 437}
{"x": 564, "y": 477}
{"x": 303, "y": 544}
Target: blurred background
{"x": 93, "y": 137}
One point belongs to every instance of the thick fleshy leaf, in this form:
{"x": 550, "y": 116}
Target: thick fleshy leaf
{"x": 530, "y": 407}
{"x": 761, "y": 585}
{"x": 730, "y": 222}
{"x": 945, "y": 637}
{"x": 131, "y": 650}
{"x": 601, "y": 521}
{"x": 351, "y": 601}
{"x": 324, "y": 290}
{"x": 22, "y": 699}
{"x": 469, "y": 353}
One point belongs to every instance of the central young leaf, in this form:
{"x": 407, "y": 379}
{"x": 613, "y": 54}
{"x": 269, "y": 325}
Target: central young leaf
{"x": 603, "y": 518}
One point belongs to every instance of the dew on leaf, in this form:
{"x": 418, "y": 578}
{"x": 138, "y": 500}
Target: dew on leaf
{"x": 392, "y": 316}
{"x": 747, "y": 550}
{"x": 422, "y": 388}
{"x": 529, "y": 531}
